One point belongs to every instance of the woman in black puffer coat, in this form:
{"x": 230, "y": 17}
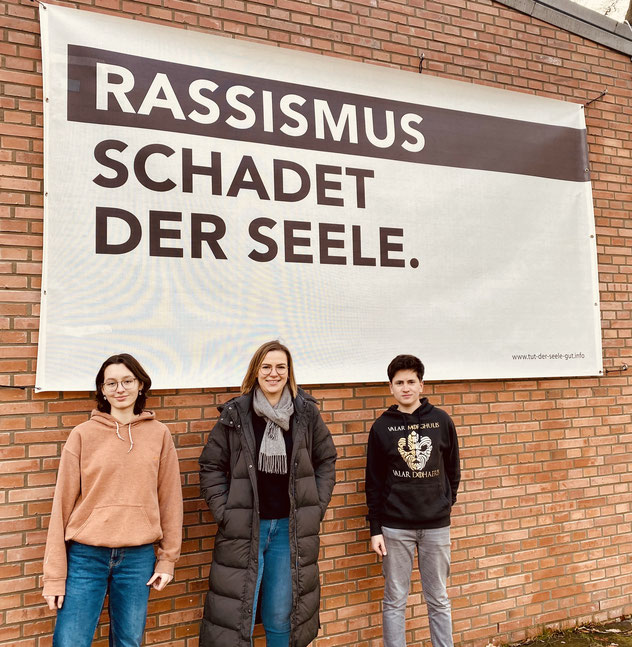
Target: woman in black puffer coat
{"x": 267, "y": 473}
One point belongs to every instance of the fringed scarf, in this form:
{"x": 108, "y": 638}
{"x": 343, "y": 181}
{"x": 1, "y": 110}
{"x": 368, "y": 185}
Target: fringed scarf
{"x": 272, "y": 456}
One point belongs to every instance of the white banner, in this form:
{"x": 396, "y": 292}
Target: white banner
{"x": 203, "y": 195}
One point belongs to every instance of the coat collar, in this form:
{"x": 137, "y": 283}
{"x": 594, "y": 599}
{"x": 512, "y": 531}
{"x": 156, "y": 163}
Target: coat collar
{"x": 241, "y": 405}
{"x": 235, "y": 414}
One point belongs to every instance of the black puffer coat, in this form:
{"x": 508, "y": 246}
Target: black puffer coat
{"x": 228, "y": 482}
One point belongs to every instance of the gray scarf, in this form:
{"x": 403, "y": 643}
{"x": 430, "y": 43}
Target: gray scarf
{"x": 272, "y": 456}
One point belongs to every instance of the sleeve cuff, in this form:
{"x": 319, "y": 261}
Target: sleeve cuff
{"x": 54, "y": 587}
{"x": 376, "y": 527}
{"x": 164, "y": 566}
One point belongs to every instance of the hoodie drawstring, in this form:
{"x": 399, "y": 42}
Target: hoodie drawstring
{"x": 129, "y": 433}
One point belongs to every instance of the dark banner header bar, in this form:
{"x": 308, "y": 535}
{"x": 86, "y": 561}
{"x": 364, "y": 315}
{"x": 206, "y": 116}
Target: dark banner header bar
{"x": 117, "y": 89}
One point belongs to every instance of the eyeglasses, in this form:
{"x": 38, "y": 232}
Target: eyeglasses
{"x": 111, "y": 385}
{"x": 266, "y": 369}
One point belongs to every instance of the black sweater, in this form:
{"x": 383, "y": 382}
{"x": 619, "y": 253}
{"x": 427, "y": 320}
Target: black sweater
{"x": 412, "y": 469}
{"x": 273, "y": 489}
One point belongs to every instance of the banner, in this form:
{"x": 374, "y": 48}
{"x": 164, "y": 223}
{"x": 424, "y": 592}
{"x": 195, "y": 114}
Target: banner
{"x": 204, "y": 195}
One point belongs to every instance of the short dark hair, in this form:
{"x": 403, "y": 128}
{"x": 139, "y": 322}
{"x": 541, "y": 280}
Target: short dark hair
{"x": 137, "y": 370}
{"x": 405, "y": 363}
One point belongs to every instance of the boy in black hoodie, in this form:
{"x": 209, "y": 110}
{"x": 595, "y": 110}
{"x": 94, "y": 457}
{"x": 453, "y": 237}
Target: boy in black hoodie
{"x": 412, "y": 477}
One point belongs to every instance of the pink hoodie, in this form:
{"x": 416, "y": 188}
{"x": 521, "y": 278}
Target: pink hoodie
{"x": 117, "y": 485}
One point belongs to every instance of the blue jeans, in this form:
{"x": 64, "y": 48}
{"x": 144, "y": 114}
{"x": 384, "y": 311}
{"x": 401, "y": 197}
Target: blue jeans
{"x": 92, "y": 570}
{"x": 433, "y": 554}
{"x": 274, "y": 579}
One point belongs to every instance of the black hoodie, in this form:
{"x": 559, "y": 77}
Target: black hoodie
{"x": 412, "y": 469}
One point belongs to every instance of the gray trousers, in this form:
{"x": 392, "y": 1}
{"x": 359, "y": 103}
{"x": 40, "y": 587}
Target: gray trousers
{"x": 433, "y": 550}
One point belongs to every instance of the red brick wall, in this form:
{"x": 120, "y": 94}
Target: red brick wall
{"x": 543, "y": 527}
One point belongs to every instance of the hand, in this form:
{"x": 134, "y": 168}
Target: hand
{"x": 54, "y": 601}
{"x": 378, "y": 545}
{"x": 159, "y": 580}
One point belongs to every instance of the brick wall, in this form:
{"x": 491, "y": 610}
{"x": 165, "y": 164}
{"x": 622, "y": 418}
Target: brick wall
{"x": 543, "y": 528}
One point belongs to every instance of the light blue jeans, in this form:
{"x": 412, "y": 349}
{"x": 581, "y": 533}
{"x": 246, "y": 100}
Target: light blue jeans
{"x": 433, "y": 550}
{"x": 91, "y": 571}
{"x": 274, "y": 581}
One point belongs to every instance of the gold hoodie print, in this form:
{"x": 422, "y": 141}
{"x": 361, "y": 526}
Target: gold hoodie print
{"x": 415, "y": 450}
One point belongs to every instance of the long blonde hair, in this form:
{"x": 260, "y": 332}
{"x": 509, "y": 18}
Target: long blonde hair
{"x": 250, "y": 380}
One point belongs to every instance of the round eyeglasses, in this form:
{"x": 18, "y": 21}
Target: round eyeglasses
{"x": 111, "y": 385}
{"x": 266, "y": 369}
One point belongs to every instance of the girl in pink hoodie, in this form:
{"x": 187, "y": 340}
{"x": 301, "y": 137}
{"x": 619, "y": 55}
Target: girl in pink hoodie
{"x": 118, "y": 492}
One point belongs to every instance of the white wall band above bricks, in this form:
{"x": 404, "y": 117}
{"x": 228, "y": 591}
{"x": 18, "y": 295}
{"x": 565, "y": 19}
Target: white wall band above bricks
{"x": 204, "y": 195}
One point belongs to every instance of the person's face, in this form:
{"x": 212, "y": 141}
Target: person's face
{"x": 273, "y": 374}
{"x": 406, "y": 389}
{"x": 120, "y": 387}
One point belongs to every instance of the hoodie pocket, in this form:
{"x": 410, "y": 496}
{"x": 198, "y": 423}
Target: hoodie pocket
{"x": 416, "y": 504}
{"x": 117, "y": 525}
